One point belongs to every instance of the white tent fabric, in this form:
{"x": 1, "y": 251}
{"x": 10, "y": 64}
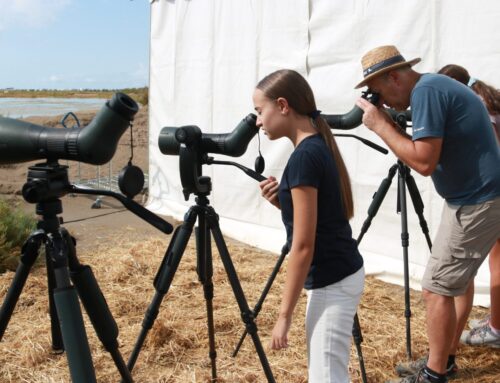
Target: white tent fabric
{"x": 207, "y": 56}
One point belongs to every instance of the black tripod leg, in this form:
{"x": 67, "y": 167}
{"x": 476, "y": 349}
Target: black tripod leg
{"x": 28, "y": 256}
{"x": 405, "y": 243}
{"x": 378, "y": 197}
{"x": 246, "y": 313}
{"x": 418, "y": 205}
{"x": 96, "y": 307}
{"x": 358, "y": 339}
{"x": 164, "y": 278}
{"x": 57, "y": 341}
{"x": 260, "y": 302}
{"x": 70, "y": 315}
{"x": 205, "y": 273}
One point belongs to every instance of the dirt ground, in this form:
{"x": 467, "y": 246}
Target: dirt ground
{"x": 125, "y": 254}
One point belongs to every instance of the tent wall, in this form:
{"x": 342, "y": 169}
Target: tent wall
{"x": 207, "y": 56}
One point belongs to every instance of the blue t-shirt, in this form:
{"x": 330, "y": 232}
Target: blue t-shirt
{"x": 468, "y": 171}
{"x": 336, "y": 254}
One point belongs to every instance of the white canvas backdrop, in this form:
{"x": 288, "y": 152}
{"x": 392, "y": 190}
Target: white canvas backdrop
{"x": 207, "y": 56}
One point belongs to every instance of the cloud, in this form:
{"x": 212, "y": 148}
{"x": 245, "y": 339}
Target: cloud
{"x": 55, "y": 78}
{"x": 31, "y": 13}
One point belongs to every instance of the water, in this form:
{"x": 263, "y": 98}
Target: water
{"x": 25, "y": 107}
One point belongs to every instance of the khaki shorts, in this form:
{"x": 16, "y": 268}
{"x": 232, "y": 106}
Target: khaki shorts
{"x": 465, "y": 236}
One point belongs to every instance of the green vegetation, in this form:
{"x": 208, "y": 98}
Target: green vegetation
{"x": 138, "y": 94}
{"x": 15, "y": 227}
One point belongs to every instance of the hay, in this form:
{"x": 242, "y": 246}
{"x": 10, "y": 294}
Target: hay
{"x": 176, "y": 349}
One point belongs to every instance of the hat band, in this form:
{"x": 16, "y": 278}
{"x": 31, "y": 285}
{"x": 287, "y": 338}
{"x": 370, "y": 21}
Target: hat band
{"x": 381, "y": 65}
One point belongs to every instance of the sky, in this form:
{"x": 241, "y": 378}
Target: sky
{"x": 74, "y": 44}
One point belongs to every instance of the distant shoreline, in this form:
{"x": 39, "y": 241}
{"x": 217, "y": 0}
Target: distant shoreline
{"x": 138, "y": 94}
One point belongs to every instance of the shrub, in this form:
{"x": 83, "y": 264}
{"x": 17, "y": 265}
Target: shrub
{"x": 142, "y": 96}
{"x": 15, "y": 227}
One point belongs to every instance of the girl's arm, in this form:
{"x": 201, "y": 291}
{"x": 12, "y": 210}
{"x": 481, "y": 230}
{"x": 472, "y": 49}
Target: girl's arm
{"x": 305, "y": 212}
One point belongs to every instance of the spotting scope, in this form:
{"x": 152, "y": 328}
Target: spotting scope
{"x": 354, "y": 117}
{"x": 94, "y": 144}
{"x": 230, "y": 144}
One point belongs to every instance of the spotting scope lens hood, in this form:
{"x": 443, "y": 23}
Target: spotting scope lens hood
{"x": 230, "y": 144}
{"x": 94, "y": 144}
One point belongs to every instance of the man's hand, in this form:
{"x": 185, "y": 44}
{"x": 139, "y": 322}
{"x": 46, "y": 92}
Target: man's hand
{"x": 422, "y": 155}
{"x": 373, "y": 117}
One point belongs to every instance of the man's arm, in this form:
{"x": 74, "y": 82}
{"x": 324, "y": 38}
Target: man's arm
{"x": 422, "y": 155}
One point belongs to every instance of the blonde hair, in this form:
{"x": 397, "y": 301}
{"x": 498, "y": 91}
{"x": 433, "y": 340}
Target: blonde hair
{"x": 294, "y": 88}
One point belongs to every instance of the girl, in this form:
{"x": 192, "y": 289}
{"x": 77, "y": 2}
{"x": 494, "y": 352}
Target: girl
{"x": 487, "y": 93}
{"x": 315, "y": 199}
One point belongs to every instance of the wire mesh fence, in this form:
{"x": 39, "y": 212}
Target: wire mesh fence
{"x": 100, "y": 177}
{"x": 103, "y": 177}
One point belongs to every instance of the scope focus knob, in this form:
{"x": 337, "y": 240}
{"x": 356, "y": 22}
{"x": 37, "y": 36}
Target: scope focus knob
{"x": 188, "y": 134}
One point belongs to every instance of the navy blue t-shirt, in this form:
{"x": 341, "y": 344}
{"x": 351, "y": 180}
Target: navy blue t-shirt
{"x": 336, "y": 254}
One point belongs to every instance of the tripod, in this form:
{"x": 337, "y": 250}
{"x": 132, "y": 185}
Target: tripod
{"x": 208, "y": 224}
{"x": 405, "y": 179}
{"x": 67, "y": 279}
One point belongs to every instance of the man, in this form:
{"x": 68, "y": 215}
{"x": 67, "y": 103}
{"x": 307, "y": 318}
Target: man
{"x": 485, "y": 331}
{"x": 453, "y": 142}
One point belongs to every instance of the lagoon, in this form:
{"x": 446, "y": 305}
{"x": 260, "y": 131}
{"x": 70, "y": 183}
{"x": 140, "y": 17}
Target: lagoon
{"x": 25, "y": 107}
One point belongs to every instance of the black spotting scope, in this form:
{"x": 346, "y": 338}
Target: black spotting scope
{"x": 94, "y": 144}
{"x": 354, "y": 117}
{"x": 230, "y": 144}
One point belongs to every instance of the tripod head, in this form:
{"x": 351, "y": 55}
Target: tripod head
{"x": 48, "y": 182}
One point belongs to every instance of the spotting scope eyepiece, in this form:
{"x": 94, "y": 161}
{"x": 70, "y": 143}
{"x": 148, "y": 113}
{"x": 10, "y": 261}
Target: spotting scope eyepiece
{"x": 94, "y": 144}
{"x": 230, "y": 144}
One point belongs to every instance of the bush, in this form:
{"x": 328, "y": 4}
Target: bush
{"x": 143, "y": 96}
{"x": 15, "y": 227}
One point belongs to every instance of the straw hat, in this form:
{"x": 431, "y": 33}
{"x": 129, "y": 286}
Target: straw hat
{"x": 381, "y": 60}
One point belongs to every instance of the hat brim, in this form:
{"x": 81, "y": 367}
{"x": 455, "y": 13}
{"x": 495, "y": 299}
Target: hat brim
{"x": 387, "y": 69}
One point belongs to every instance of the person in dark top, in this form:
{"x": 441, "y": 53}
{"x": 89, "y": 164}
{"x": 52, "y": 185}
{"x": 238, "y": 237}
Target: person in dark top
{"x": 315, "y": 199}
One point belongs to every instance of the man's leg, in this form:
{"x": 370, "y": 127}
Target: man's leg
{"x": 441, "y": 325}
{"x": 463, "y": 307}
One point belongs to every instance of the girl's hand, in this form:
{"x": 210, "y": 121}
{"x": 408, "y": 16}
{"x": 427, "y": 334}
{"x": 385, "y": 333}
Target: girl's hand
{"x": 269, "y": 190}
{"x": 279, "y": 338}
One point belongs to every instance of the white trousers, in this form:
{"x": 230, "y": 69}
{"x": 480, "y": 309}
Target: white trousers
{"x": 329, "y": 320}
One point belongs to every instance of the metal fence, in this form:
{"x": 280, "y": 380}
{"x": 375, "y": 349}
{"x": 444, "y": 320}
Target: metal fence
{"x": 104, "y": 178}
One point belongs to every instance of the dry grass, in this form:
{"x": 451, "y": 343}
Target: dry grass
{"x": 176, "y": 349}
